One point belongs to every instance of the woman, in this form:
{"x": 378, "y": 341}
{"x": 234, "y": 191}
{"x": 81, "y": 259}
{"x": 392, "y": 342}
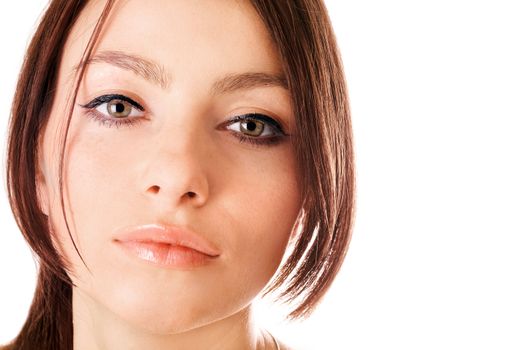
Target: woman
{"x": 162, "y": 159}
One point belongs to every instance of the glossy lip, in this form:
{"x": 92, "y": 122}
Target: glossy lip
{"x": 170, "y": 246}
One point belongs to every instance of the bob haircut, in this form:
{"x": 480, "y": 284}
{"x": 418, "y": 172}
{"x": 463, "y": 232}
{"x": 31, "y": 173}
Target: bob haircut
{"x": 304, "y": 38}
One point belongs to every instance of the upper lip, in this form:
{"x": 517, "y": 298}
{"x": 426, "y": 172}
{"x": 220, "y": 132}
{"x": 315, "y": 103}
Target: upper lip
{"x": 174, "y": 235}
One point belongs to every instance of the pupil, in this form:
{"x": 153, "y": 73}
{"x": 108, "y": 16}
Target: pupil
{"x": 120, "y": 107}
{"x": 251, "y": 126}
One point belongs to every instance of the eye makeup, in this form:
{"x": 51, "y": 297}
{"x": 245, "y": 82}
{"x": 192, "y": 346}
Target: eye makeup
{"x": 110, "y": 97}
{"x": 117, "y": 103}
{"x": 94, "y": 110}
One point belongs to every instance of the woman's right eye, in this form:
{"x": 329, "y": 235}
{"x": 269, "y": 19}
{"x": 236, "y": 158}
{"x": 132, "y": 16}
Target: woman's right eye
{"x": 117, "y": 109}
{"x": 114, "y": 110}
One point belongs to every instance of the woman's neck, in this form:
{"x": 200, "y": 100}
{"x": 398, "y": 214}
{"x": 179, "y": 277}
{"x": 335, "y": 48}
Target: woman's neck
{"x": 96, "y": 328}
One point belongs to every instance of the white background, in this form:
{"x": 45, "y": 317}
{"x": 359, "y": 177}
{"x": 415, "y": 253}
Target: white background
{"x": 437, "y": 259}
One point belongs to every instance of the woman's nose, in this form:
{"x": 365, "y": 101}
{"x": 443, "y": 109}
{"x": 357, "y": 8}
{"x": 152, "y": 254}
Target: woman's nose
{"x": 176, "y": 168}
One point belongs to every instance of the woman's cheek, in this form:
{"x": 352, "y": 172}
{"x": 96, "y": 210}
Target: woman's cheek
{"x": 266, "y": 235}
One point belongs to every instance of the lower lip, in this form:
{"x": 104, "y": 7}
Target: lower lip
{"x": 165, "y": 255}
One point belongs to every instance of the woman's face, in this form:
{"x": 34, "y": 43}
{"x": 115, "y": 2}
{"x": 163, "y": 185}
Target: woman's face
{"x": 174, "y": 138}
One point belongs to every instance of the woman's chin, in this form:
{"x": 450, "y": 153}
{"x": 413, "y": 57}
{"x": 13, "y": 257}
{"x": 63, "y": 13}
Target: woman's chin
{"x": 156, "y": 316}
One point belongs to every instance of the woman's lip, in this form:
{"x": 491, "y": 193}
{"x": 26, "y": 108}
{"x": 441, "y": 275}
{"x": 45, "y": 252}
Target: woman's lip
{"x": 166, "y": 255}
{"x": 162, "y": 234}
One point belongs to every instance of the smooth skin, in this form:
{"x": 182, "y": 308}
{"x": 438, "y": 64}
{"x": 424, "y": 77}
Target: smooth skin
{"x": 245, "y": 197}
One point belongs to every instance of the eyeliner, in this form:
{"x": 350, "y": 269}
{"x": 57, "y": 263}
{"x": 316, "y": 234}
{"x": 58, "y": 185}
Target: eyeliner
{"x": 106, "y": 98}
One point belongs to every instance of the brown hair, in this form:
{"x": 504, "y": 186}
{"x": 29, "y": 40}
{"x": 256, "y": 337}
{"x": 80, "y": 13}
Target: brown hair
{"x": 304, "y": 38}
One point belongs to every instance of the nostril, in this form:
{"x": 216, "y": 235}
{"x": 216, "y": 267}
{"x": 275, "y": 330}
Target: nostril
{"x": 191, "y": 194}
{"x": 155, "y": 189}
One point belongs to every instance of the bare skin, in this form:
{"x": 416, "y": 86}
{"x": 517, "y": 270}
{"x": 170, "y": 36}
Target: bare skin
{"x": 245, "y": 198}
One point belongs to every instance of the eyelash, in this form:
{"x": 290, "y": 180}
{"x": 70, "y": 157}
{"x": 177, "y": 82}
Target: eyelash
{"x": 112, "y": 122}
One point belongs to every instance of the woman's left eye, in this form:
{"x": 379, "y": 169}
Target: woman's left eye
{"x": 257, "y": 129}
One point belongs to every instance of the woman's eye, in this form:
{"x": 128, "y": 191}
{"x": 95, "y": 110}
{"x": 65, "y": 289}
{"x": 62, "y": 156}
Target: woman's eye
{"x": 253, "y": 127}
{"x": 257, "y": 129}
{"x": 114, "y": 110}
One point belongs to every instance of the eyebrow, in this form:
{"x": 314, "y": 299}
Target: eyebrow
{"x": 243, "y": 81}
{"x": 145, "y": 68}
{"x": 157, "y": 74}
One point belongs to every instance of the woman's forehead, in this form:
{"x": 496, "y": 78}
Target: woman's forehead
{"x": 185, "y": 37}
